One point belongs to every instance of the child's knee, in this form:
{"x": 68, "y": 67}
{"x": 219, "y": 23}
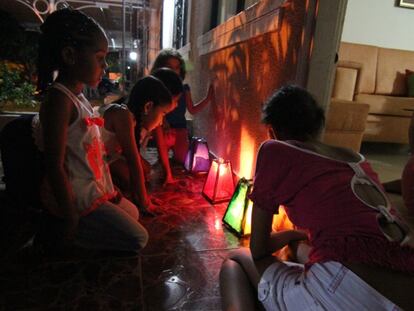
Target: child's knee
{"x": 230, "y": 272}
{"x": 140, "y": 238}
{"x": 226, "y": 268}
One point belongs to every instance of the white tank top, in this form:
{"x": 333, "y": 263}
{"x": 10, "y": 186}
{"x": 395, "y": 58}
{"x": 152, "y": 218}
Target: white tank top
{"x": 85, "y": 156}
{"x": 112, "y": 147}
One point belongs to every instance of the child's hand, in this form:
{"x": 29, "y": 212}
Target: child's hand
{"x": 212, "y": 88}
{"x": 169, "y": 179}
{"x": 300, "y": 250}
{"x": 146, "y": 209}
{"x": 117, "y": 198}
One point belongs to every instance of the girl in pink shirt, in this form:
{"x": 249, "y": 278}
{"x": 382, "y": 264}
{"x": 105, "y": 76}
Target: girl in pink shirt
{"x": 359, "y": 258}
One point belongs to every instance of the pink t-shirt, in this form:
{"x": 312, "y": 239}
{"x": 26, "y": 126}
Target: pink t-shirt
{"x": 316, "y": 192}
{"x": 407, "y": 184}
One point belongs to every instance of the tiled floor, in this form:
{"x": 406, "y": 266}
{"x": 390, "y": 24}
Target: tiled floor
{"x": 388, "y": 160}
{"x": 178, "y": 270}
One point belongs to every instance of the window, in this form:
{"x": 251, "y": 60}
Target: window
{"x": 180, "y": 23}
{"x": 222, "y": 10}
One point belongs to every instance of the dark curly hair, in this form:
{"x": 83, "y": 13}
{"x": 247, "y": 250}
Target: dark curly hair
{"x": 162, "y": 58}
{"x": 62, "y": 28}
{"x": 170, "y": 79}
{"x": 293, "y": 114}
{"x": 146, "y": 89}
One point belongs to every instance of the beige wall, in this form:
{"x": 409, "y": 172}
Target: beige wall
{"x": 387, "y": 26}
{"x": 251, "y": 54}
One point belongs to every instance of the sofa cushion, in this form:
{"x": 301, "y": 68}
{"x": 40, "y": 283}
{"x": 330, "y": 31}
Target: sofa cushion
{"x": 345, "y": 83}
{"x": 387, "y": 129}
{"x": 387, "y": 105}
{"x": 366, "y": 55}
{"x": 391, "y": 79}
{"x": 349, "y": 64}
{"x": 345, "y": 124}
{"x": 346, "y": 115}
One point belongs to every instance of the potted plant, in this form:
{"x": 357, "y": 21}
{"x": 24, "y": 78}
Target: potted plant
{"x": 16, "y": 94}
{"x": 18, "y": 54}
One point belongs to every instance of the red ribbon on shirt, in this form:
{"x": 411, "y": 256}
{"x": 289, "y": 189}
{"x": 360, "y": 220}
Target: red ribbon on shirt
{"x": 89, "y": 121}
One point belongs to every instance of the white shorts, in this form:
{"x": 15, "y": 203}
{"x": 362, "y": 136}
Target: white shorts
{"x": 325, "y": 286}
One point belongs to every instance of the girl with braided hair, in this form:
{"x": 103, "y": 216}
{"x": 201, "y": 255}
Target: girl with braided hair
{"x": 78, "y": 192}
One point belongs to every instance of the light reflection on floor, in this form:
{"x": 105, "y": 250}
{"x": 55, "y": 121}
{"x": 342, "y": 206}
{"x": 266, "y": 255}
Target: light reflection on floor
{"x": 178, "y": 270}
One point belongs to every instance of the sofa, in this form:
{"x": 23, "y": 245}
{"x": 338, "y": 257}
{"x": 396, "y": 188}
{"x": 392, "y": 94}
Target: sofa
{"x": 345, "y": 124}
{"x": 377, "y": 76}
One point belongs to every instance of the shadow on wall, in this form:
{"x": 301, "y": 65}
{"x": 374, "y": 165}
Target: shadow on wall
{"x": 248, "y": 73}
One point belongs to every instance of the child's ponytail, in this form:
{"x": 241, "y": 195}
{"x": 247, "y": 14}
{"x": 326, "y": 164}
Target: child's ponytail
{"x": 46, "y": 62}
{"x": 65, "y": 27}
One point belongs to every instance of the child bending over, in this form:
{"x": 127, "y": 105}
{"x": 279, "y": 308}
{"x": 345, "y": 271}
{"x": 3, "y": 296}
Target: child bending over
{"x": 124, "y": 130}
{"x": 361, "y": 257}
{"x": 175, "y": 85}
{"x": 176, "y": 123}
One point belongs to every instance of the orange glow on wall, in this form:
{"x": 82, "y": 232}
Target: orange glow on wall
{"x": 247, "y": 153}
{"x": 281, "y": 221}
{"x": 247, "y": 69}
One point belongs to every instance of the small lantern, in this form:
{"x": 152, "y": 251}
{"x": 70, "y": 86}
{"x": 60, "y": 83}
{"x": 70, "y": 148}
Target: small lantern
{"x": 238, "y": 215}
{"x": 198, "y": 156}
{"x": 219, "y": 185}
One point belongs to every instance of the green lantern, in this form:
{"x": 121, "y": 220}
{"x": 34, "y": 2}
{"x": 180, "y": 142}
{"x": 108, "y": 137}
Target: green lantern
{"x": 238, "y": 213}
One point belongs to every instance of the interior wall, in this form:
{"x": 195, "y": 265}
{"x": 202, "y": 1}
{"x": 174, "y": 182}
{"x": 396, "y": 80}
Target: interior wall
{"x": 380, "y": 23}
{"x": 326, "y": 39}
{"x": 247, "y": 72}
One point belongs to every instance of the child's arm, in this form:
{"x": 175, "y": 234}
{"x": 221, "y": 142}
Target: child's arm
{"x": 124, "y": 128}
{"x": 195, "y": 108}
{"x": 263, "y": 242}
{"x": 56, "y": 115}
{"x": 163, "y": 154}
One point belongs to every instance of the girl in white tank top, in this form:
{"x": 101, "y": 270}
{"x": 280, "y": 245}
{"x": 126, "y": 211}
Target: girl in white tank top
{"x": 79, "y": 189}
{"x": 84, "y": 161}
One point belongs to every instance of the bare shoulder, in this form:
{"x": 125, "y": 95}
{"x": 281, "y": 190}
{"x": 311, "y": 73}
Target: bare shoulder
{"x": 117, "y": 117}
{"x": 57, "y": 106}
{"x": 55, "y": 99}
{"x": 119, "y": 113}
